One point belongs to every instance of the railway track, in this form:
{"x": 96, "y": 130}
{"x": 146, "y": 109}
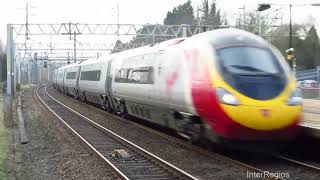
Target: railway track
{"x": 282, "y": 164}
{"x": 128, "y": 160}
{"x": 177, "y": 141}
{"x": 310, "y": 165}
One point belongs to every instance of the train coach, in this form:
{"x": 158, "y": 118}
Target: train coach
{"x": 220, "y": 85}
{"x": 58, "y": 78}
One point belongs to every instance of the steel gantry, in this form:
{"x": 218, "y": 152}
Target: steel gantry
{"x": 107, "y": 29}
{"x": 29, "y": 45}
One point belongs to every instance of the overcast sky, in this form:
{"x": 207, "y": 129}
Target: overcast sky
{"x": 131, "y": 11}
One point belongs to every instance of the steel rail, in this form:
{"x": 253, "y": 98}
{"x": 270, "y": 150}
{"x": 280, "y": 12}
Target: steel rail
{"x": 174, "y": 169}
{"x": 81, "y": 138}
{"x": 299, "y": 162}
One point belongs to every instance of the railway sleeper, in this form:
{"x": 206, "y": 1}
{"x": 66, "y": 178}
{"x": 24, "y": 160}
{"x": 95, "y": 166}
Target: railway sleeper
{"x": 155, "y": 176}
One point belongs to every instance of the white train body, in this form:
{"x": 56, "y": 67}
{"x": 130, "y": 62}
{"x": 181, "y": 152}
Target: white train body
{"x": 60, "y": 78}
{"x": 146, "y": 82}
{"x": 92, "y": 80}
{"x": 184, "y": 84}
{"x": 153, "y": 82}
{"x": 70, "y": 79}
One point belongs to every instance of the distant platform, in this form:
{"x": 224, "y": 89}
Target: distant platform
{"x": 311, "y": 120}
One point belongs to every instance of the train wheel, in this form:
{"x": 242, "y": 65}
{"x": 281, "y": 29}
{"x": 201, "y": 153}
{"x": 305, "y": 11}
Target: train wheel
{"x": 195, "y": 132}
{"x": 77, "y": 95}
{"x": 104, "y": 106}
{"x": 82, "y": 97}
{"x": 123, "y": 110}
{"x": 194, "y": 139}
{"x": 103, "y": 103}
{"x": 108, "y": 107}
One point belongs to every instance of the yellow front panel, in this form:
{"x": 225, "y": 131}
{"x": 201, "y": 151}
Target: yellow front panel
{"x": 278, "y": 117}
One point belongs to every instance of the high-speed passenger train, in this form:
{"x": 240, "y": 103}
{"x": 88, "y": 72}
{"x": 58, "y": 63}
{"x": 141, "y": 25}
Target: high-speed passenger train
{"x": 224, "y": 84}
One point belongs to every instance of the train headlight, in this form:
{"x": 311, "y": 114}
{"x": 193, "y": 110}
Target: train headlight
{"x": 226, "y": 97}
{"x": 295, "y": 98}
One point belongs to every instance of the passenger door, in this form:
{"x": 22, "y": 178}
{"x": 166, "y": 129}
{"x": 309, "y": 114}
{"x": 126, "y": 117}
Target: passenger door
{"x": 108, "y": 84}
{"x": 162, "y": 65}
{"x": 78, "y": 77}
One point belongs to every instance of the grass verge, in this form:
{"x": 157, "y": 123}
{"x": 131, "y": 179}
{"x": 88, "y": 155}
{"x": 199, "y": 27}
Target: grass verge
{"x": 4, "y": 142}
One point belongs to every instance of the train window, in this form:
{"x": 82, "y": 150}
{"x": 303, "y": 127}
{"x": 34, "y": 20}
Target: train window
{"x": 140, "y": 75}
{"x": 71, "y": 75}
{"x": 248, "y": 60}
{"x": 91, "y": 75}
{"x": 122, "y": 75}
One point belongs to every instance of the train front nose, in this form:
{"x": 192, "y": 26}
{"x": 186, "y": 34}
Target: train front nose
{"x": 256, "y": 93}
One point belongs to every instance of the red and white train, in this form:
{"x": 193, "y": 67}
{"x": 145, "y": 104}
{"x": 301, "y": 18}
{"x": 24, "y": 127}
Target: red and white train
{"x": 225, "y": 84}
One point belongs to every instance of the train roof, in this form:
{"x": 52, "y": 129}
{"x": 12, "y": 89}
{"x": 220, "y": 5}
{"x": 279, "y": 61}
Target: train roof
{"x": 231, "y": 37}
{"x": 72, "y": 65}
{"x": 170, "y": 42}
{"x": 68, "y": 66}
{"x": 219, "y": 38}
{"x": 92, "y": 61}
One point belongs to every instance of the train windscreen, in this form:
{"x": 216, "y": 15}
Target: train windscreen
{"x": 248, "y": 60}
{"x": 253, "y": 71}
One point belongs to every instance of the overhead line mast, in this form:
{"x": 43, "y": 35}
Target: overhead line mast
{"x": 27, "y": 21}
